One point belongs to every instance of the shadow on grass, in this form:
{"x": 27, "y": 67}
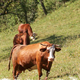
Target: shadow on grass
{"x": 58, "y": 39}
{"x": 66, "y": 74}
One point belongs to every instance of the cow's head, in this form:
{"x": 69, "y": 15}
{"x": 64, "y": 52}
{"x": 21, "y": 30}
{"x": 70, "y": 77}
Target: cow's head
{"x": 33, "y": 36}
{"x": 50, "y": 48}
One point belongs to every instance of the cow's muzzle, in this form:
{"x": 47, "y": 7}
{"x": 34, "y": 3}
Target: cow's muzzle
{"x": 50, "y": 59}
{"x": 32, "y": 37}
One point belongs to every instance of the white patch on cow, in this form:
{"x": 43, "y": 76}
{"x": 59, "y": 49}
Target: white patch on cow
{"x": 32, "y": 38}
{"x": 50, "y": 55}
{"x": 48, "y": 48}
{"x": 51, "y": 49}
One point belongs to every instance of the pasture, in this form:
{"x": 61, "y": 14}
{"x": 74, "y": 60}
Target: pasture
{"x": 60, "y": 27}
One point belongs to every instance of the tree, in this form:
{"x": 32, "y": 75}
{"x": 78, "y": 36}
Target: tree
{"x": 25, "y": 10}
{"x": 4, "y": 6}
{"x": 44, "y": 9}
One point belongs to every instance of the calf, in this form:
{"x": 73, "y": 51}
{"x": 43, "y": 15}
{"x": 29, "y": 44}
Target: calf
{"x": 39, "y": 55}
{"x": 21, "y": 38}
{"x": 27, "y": 28}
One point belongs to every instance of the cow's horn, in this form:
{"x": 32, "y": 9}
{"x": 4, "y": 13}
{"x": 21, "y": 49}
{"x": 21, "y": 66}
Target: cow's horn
{"x": 43, "y": 44}
{"x": 57, "y": 45}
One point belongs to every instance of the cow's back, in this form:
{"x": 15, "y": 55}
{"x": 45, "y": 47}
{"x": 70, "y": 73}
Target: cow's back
{"x": 28, "y": 52}
{"x": 25, "y": 55}
{"x": 23, "y": 28}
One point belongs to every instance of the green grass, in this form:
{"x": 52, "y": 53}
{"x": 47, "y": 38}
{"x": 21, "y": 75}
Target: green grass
{"x": 59, "y": 27}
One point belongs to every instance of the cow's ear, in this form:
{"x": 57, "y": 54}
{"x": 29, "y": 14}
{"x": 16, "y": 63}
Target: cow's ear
{"x": 42, "y": 48}
{"x": 57, "y": 49}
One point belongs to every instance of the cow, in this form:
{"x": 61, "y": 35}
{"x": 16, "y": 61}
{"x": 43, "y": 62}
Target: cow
{"x": 34, "y": 56}
{"x": 27, "y": 28}
{"x": 21, "y": 38}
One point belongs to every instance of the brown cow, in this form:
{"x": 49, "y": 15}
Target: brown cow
{"x": 26, "y": 28}
{"x": 39, "y": 55}
{"x": 21, "y": 38}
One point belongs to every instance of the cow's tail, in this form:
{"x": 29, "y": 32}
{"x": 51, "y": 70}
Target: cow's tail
{"x": 10, "y": 57}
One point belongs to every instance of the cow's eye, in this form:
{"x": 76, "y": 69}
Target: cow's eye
{"x": 43, "y": 49}
{"x": 48, "y": 51}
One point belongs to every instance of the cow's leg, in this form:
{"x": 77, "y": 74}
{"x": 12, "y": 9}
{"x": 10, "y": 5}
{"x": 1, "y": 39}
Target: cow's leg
{"x": 39, "y": 71}
{"x": 17, "y": 73}
{"x": 39, "y": 67}
{"x": 47, "y": 73}
{"x": 48, "y": 69}
{"x": 14, "y": 72}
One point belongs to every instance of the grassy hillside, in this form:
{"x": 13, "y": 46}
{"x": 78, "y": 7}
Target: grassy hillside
{"x": 60, "y": 27}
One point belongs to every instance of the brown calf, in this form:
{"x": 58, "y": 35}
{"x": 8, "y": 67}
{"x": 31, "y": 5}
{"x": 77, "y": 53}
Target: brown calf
{"x": 27, "y": 28}
{"x": 21, "y": 38}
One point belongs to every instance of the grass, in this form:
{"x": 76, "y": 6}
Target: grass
{"x": 60, "y": 27}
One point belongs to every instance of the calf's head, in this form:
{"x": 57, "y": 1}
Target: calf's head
{"x": 33, "y": 36}
{"x": 50, "y": 48}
